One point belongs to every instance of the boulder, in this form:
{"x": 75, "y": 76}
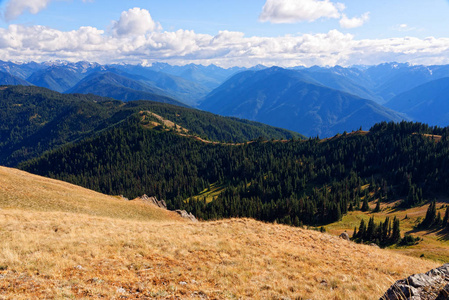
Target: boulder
{"x": 433, "y": 285}
{"x": 344, "y": 236}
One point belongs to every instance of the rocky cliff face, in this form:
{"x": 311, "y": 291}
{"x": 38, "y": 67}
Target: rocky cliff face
{"x": 433, "y": 285}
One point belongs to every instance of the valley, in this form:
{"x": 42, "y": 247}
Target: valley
{"x": 273, "y": 149}
{"x": 262, "y": 195}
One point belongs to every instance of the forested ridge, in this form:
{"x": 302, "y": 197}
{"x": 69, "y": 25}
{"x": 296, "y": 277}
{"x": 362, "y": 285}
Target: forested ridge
{"x": 294, "y": 182}
{"x": 35, "y": 120}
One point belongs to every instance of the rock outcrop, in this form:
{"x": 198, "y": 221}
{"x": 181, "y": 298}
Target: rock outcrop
{"x": 433, "y": 285}
{"x": 153, "y": 200}
{"x": 162, "y": 204}
{"x": 186, "y": 215}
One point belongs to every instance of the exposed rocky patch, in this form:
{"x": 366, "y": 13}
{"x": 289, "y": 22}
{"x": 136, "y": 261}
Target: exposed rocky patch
{"x": 186, "y": 215}
{"x": 161, "y": 203}
{"x": 433, "y": 285}
{"x": 154, "y": 201}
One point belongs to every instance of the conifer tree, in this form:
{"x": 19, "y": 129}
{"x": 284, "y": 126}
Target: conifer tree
{"x": 446, "y": 217}
{"x": 370, "y": 229}
{"x": 365, "y": 206}
{"x": 431, "y": 216}
{"x": 377, "y": 209}
{"x": 362, "y": 230}
{"x": 396, "y": 235}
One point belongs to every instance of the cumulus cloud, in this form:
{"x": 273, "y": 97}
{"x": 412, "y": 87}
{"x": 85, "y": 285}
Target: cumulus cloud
{"x": 355, "y": 22}
{"x": 15, "y": 8}
{"x": 293, "y": 11}
{"x": 135, "y": 21}
{"x": 226, "y": 48}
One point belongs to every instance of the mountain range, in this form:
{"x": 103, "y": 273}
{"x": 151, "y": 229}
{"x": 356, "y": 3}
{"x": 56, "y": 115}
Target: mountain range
{"x": 289, "y": 99}
{"x": 313, "y": 101}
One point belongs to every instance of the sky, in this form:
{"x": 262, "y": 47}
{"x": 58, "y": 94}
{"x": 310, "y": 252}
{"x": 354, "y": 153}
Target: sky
{"x": 226, "y": 33}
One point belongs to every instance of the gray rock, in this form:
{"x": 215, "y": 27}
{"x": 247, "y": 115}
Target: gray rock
{"x": 154, "y": 201}
{"x": 433, "y": 285}
{"x": 186, "y": 215}
{"x": 344, "y": 236}
{"x": 422, "y": 280}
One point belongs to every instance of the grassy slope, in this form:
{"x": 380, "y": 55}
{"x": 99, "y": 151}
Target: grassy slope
{"x": 435, "y": 244}
{"x": 22, "y": 190}
{"x": 59, "y": 240}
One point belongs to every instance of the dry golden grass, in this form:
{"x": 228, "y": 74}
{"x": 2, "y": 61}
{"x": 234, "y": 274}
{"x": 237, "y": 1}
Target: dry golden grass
{"x": 23, "y": 190}
{"x": 49, "y": 254}
{"x": 52, "y": 249}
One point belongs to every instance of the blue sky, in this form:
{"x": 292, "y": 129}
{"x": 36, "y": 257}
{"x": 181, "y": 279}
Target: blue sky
{"x": 226, "y": 33}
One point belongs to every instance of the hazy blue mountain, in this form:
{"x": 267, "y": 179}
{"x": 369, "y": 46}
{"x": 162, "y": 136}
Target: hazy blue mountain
{"x": 22, "y": 71}
{"x": 56, "y": 78}
{"x": 427, "y": 103}
{"x": 289, "y": 99}
{"x": 343, "y": 79}
{"x": 187, "y": 91}
{"x": 391, "y": 79}
{"x": 8, "y": 79}
{"x": 209, "y": 76}
{"x": 110, "y": 84}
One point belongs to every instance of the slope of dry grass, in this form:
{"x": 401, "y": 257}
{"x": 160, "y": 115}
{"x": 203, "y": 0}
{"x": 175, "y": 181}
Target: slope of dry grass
{"x": 22, "y": 190}
{"x": 47, "y": 254}
{"x": 62, "y": 241}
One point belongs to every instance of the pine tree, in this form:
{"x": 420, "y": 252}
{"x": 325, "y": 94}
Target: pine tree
{"x": 365, "y": 206}
{"x": 396, "y": 235}
{"x": 371, "y": 229}
{"x": 431, "y": 216}
{"x": 362, "y": 230}
{"x": 377, "y": 209}
{"x": 446, "y": 217}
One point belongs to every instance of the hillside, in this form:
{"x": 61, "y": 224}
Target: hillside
{"x": 23, "y": 191}
{"x": 427, "y": 103}
{"x": 312, "y": 182}
{"x": 35, "y": 120}
{"x": 288, "y": 99}
{"x": 59, "y": 240}
{"x": 435, "y": 241}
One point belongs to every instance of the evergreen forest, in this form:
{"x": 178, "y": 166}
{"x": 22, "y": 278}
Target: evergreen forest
{"x": 293, "y": 181}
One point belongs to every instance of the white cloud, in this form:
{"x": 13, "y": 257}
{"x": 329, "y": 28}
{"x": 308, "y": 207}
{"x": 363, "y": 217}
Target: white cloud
{"x": 227, "y": 48}
{"x": 293, "y": 11}
{"x": 15, "y": 8}
{"x": 135, "y": 21}
{"x": 355, "y": 22}
{"x": 404, "y": 28}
